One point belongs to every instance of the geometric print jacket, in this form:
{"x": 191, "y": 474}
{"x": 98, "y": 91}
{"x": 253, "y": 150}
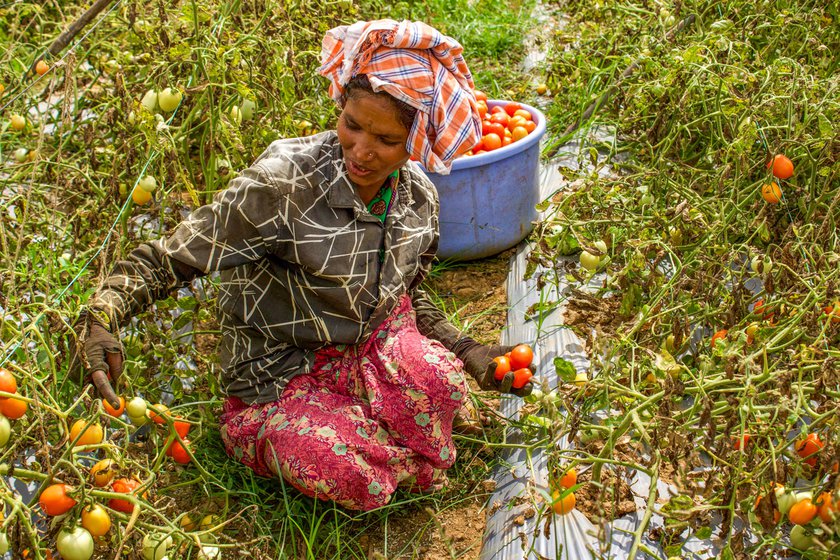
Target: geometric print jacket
{"x": 299, "y": 260}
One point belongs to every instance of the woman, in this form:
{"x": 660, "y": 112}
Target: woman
{"x": 341, "y": 375}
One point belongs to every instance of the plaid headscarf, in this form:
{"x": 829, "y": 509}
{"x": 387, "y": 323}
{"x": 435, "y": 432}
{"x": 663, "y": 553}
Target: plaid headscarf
{"x": 416, "y": 64}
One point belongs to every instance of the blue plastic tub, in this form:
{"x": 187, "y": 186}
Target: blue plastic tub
{"x": 488, "y": 202}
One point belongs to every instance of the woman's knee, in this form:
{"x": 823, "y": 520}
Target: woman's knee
{"x": 329, "y": 471}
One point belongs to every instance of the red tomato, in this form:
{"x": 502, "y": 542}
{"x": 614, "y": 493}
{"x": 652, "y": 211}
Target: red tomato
{"x": 54, "y": 499}
{"x": 123, "y": 486}
{"x": 496, "y": 128}
{"x": 181, "y": 428}
{"x": 740, "y": 442}
{"x": 177, "y": 452}
{"x": 512, "y": 107}
{"x": 521, "y": 377}
{"x": 808, "y": 447}
{"x": 485, "y": 126}
{"x": 521, "y": 356}
{"x": 500, "y": 117}
{"x": 480, "y": 95}
{"x": 492, "y": 142}
{"x": 720, "y": 335}
{"x": 497, "y": 109}
{"x": 502, "y": 367}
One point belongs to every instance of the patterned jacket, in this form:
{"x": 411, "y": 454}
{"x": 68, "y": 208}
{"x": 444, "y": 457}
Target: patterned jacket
{"x": 300, "y": 261}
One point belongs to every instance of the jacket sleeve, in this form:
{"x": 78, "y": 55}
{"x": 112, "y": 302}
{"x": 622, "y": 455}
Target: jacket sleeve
{"x": 242, "y": 225}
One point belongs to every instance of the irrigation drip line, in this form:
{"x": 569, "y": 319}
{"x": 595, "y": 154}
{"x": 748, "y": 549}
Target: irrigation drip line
{"x": 604, "y": 97}
{"x": 69, "y": 52}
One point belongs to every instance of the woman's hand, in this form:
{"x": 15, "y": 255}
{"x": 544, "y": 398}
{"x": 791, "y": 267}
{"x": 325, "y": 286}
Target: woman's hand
{"x": 99, "y": 352}
{"x": 478, "y": 361}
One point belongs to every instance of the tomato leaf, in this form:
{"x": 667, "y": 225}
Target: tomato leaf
{"x": 565, "y": 369}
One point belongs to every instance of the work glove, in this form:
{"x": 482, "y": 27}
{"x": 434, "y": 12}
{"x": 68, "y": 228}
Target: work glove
{"x": 478, "y": 361}
{"x": 98, "y": 355}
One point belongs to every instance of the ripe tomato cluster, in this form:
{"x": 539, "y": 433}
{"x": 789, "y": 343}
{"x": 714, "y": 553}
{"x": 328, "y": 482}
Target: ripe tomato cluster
{"x": 782, "y": 168}
{"x": 501, "y": 125}
{"x": 562, "y": 499}
{"x": 10, "y": 407}
{"x": 518, "y": 360}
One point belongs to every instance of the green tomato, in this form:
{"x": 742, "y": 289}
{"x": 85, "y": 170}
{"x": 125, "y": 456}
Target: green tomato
{"x": 74, "y": 543}
{"x": 589, "y": 261}
{"x": 802, "y": 538}
{"x": 4, "y": 543}
{"x": 169, "y": 99}
{"x": 601, "y": 246}
{"x": 785, "y": 499}
{"x": 148, "y": 183}
{"x": 136, "y": 407}
{"x": 236, "y": 114}
{"x": 20, "y": 155}
{"x": 17, "y": 122}
{"x": 149, "y": 101}
{"x": 5, "y": 431}
{"x": 248, "y": 107}
{"x": 155, "y": 546}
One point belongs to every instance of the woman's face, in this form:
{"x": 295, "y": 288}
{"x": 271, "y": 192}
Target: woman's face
{"x": 372, "y": 139}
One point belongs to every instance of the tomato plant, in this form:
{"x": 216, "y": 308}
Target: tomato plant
{"x": 55, "y": 499}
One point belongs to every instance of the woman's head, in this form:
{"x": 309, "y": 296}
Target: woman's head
{"x": 418, "y": 66}
{"x": 373, "y": 130}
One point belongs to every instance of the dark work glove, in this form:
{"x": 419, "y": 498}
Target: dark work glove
{"x": 99, "y": 352}
{"x": 478, "y": 361}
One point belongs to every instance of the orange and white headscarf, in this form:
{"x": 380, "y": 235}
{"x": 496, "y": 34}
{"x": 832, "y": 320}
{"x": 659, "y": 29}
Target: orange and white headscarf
{"x": 418, "y": 65}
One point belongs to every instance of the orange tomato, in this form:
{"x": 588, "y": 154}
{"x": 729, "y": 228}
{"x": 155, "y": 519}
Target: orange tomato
{"x": 562, "y": 505}
{"x": 782, "y": 167}
{"x": 124, "y": 486}
{"x": 720, "y": 335}
{"x": 480, "y": 95}
{"x": 568, "y": 479}
{"x": 507, "y": 140}
{"x": 115, "y": 412}
{"x": 762, "y": 310}
{"x": 13, "y": 408}
{"x": 90, "y": 435}
{"x": 140, "y": 196}
{"x": 178, "y": 452}
{"x": 826, "y": 509}
{"x": 159, "y": 413}
{"x": 55, "y": 500}
{"x": 491, "y": 142}
{"x": 103, "y": 472}
{"x": 497, "y": 109}
{"x": 521, "y": 356}
{"x": 776, "y": 513}
{"x": 802, "y": 512}
{"x": 833, "y": 311}
{"x": 524, "y": 114}
{"x": 482, "y": 108}
{"x": 8, "y": 383}
{"x": 41, "y": 67}
{"x": 519, "y": 133}
{"x": 771, "y": 192}
{"x": 514, "y": 122}
{"x": 530, "y": 126}
{"x": 502, "y": 367}
{"x": 809, "y": 447}
{"x": 496, "y": 128}
{"x": 521, "y": 377}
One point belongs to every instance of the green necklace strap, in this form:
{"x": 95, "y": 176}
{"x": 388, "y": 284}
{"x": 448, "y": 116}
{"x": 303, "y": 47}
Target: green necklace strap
{"x": 381, "y": 203}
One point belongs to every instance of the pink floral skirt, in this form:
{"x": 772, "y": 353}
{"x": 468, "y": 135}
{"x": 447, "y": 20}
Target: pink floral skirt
{"x": 367, "y": 419}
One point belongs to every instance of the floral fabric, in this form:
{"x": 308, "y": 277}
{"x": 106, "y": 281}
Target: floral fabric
{"x": 367, "y": 419}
